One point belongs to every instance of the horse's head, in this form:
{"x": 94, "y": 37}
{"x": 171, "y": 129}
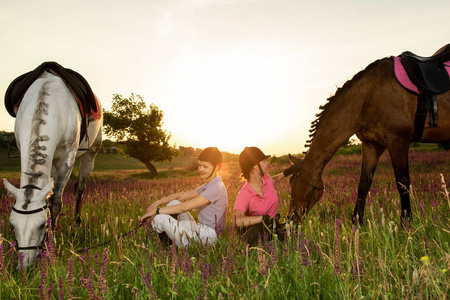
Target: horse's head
{"x": 29, "y": 221}
{"x": 304, "y": 192}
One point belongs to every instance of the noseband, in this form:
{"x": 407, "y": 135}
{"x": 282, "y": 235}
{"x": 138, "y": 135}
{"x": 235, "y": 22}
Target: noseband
{"x": 30, "y": 212}
{"x": 297, "y": 176}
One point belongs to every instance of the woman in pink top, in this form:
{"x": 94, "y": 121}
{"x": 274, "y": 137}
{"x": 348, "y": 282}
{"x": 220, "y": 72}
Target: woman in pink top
{"x": 257, "y": 201}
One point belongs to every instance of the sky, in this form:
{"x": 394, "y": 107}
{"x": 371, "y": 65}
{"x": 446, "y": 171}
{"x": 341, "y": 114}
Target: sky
{"x": 225, "y": 73}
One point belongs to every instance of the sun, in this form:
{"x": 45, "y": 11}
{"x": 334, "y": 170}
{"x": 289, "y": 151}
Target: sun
{"x": 228, "y": 98}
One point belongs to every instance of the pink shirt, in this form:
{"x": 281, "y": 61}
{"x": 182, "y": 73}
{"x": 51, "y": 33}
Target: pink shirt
{"x": 253, "y": 204}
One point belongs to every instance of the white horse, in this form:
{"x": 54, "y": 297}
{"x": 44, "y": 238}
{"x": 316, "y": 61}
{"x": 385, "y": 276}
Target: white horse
{"x": 47, "y": 132}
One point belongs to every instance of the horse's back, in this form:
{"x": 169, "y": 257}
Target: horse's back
{"x": 49, "y": 111}
{"x": 388, "y": 110}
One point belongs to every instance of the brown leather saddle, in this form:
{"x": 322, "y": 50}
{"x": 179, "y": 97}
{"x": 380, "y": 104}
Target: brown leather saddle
{"x": 430, "y": 76}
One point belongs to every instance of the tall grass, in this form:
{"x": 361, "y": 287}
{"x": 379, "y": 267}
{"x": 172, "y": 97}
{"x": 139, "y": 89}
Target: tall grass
{"x": 325, "y": 257}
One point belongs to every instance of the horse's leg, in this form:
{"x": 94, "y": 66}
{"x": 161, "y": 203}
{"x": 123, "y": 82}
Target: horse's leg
{"x": 399, "y": 156}
{"x": 370, "y": 156}
{"x": 86, "y": 167}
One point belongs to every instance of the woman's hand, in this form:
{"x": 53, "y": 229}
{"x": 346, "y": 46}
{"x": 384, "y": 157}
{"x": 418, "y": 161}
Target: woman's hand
{"x": 147, "y": 216}
{"x": 153, "y": 206}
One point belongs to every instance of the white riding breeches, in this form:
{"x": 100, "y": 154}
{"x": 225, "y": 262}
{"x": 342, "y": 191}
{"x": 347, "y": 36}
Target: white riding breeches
{"x": 184, "y": 229}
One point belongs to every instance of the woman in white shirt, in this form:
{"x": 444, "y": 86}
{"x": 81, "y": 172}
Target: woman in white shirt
{"x": 210, "y": 200}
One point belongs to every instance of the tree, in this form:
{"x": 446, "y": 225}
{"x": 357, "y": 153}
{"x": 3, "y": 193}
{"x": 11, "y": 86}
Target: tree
{"x": 137, "y": 130}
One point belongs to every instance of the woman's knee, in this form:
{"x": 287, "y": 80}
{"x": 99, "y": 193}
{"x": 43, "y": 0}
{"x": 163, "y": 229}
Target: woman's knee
{"x": 173, "y": 202}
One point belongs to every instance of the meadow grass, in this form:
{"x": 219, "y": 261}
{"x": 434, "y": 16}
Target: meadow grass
{"x": 324, "y": 257}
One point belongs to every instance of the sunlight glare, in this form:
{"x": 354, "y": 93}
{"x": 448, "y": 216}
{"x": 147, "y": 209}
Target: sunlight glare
{"x": 237, "y": 93}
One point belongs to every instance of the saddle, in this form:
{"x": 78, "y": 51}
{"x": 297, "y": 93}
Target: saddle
{"x": 87, "y": 101}
{"x": 430, "y": 75}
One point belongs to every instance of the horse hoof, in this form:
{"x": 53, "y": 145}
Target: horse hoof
{"x": 78, "y": 222}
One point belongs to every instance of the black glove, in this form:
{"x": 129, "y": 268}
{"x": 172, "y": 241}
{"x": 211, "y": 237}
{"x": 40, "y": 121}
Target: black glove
{"x": 267, "y": 220}
{"x": 280, "y": 223}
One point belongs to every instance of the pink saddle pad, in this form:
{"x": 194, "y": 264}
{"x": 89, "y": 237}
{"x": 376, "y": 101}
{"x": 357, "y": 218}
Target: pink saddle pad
{"x": 403, "y": 78}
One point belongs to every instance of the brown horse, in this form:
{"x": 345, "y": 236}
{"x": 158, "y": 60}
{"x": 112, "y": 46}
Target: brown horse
{"x": 375, "y": 107}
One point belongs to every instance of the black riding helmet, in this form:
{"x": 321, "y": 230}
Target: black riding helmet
{"x": 213, "y": 156}
{"x": 250, "y": 157}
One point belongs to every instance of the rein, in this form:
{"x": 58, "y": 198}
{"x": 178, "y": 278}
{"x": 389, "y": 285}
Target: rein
{"x": 116, "y": 238}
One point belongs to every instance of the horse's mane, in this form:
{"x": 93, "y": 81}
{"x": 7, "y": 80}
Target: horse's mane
{"x": 36, "y": 156}
{"x": 347, "y": 85}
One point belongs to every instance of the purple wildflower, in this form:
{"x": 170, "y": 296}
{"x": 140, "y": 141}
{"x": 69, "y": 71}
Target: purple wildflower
{"x": 70, "y": 278}
{"x": 22, "y": 269}
{"x": 206, "y": 268}
{"x": 60, "y": 288}
{"x": 2, "y": 261}
{"x": 43, "y": 270}
{"x": 303, "y": 253}
{"x": 273, "y": 254}
{"x": 11, "y": 254}
{"x": 88, "y": 259}
{"x": 174, "y": 257}
{"x": 50, "y": 291}
{"x": 337, "y": 247}
{"x": 103, "y": 284}
{"x": 96, "y": 262}
{"x": 41, "y": 291}
{"x": 148, "y": 281}
{"x": 320, "y": 254}
{"x": 83, "y": 267}
{"x": 147, "y": 277}
{"x": 89, "y": 284}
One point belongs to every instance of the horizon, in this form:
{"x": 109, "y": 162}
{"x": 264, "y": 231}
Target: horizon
{"x": 225, "y": 73}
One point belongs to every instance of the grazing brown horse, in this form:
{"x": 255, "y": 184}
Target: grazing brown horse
{"x": 375, "y": 107}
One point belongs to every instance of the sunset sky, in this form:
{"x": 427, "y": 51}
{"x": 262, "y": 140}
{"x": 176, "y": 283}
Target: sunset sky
{"x": 225, "y": 73}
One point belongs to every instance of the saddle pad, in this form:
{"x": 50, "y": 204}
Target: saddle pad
{"x": 403, "y": 78}
{"x": 93, "y": 115}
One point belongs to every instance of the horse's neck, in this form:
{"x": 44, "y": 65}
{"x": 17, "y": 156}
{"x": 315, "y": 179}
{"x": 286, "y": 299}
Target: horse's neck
{"x": 340, "y": 119}
{"x": 39, "y": 124}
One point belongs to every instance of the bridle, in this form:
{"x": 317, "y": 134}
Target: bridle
{"x": 297, "y": 175}
{"x": 31, "y": 212}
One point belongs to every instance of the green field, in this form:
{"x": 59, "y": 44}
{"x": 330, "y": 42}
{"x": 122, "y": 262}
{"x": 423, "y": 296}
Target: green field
{"x": 324, "y": 257}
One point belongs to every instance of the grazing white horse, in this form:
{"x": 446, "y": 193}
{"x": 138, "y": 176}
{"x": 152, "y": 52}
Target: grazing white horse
{"x": 47, "y": 132}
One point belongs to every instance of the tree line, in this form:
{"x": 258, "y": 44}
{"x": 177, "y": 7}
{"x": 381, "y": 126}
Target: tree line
{"x": 137, "y": 131}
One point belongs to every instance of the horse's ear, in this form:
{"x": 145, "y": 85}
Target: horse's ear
{"x": 10, "y": 189}
{"x": 294, "y": 160}
{"x": 47, "y": 190}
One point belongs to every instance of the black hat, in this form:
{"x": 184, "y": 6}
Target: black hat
{"x": 249, "y": 157}
{"x": 211, "y": 155}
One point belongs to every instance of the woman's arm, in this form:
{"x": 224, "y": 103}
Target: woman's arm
{"x": 177, "y": 208}
{"x": 242, "y": 220}
{"x": 178, "y": 196}
{"x": 277, "y": 178}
